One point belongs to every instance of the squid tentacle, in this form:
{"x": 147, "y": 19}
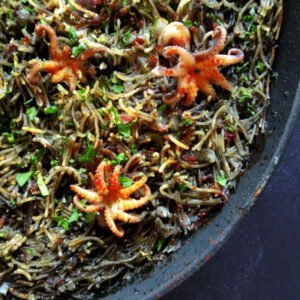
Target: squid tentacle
{"x": 185, "y": 57}
{"x": 91, "y": 196}
{"x": 108, "y": 216}
{"x": 114, "y": 184}
{"x": 90, "y": 52}
{"x": 126, "y": 192}
{"x": 48, "y": 66}
{"x": 133, "y": 204}
{"x": 170, "y": 72}
{"x": 100, "y": 182}
{"x": 54, "y": 48}
{"x": 219, "y": 36}
{"x": 126, "y": 217}
{"x": 111, "y": 199}
{"x": 87, "y": 209}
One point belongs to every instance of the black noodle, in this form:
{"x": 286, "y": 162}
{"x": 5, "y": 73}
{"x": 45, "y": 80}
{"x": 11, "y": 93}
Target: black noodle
{"x": 52, "y": 136}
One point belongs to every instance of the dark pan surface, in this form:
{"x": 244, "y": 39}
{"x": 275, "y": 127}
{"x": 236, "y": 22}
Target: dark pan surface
{"x": 200, "y": 247}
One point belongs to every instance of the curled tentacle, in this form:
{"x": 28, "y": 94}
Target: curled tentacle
{"x": 108, "y": 216}
{"x": 87, "y": 209}
{"x": 34, "y": 76}
{"x": 100, "y": 181}
{"x": 182, "y": 89}
{"x": 67, "y": 76}
{"x": 219, "y": 37}
{"x": 186, "y": 59}
{"x": 133, "y": 204}
{"x": 206, "y": 87}
{"x": 90, "y": 52}
{"x": 234, "y": 56}
{"x": 114, "y": 184}
{"x": 172, "y": 100}
{"x": 54, "y": 48}
{"x": 93, "y": 197}
{"x": 126, "y": 192}
{"x": 125, "y": 217}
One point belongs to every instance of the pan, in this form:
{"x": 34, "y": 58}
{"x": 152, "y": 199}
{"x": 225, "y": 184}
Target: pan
{"x": 283, "y": 111}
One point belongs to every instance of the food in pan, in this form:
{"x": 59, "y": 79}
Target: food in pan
{"x": 124, "y": 127}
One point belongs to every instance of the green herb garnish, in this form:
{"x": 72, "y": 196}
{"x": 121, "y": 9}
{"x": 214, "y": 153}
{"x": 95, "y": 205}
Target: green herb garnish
{"x": 42, "y": 185}
{"x": 22, "y": 178}
{"x": 29, "y": 251}
{"x": 187, "y": 122}
{"x": 117, "y": 88}
{"x": 125, "y": 181}
{"x": 89, "y": 218}
{"x": 133, "y": 149}
{"x": 159, "y": 245}
{"x": 77, "y": 50}
{"x": 50, "y": 110}
{"x": 65, "y": 222}
{"x": 260, "y": 67}
{"x": 125, "y": 130}
{"x": 182, "y": 187}
{"x": 3, "y": 233}
{"x": 120, "y": 158}
{"x": 221, "y": 179}
{"x": 32, "y": 113}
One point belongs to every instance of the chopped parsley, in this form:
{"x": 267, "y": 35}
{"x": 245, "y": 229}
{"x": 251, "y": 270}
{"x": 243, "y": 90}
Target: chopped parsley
{"x": 89, "y": 151}
{"x": 117, "y": 88}
{"x": 31, "y": 113}
{"x": 221, "y": 179}
{"x": 89, "y": 218}
{"x": 159, "y": 245}
{"x": 10, "y": 137}
{"x": 50, "y": 110}
{"x": 183, "y": 187}
{"x": 125, "y": 181}
{"x": 72, "y": 36}
{"x": 77, "y": 50}
{"x": 125, "y": 130}
{"x": 260, "y": 67}
{"x": 133, "y": 149}
{"x": 42, "y": 185}
{"x": 22, "y": 178}
{"x": 3, "y": 233}
{"x": 65, "y": 222}
{"x": 126, "y": 38}
{"x": 53, "y": 162}
{"x": 29, "y": 251}
{"x": 187, "y": 122}
{"x": 244, "y": 94}
{"x": 162, "y": 108}
{"x": 120, "y": 158}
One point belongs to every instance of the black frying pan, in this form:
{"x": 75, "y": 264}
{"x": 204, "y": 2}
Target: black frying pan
{"x": 202, "y": 245}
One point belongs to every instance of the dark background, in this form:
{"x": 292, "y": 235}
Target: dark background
{"x": 261, "y": 260}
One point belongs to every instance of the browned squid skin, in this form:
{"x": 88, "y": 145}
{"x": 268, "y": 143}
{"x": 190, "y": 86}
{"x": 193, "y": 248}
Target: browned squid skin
{"x": 62, "y": 66}
{"x": 197, "y": 71}
{"x": 110, "y": 199}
